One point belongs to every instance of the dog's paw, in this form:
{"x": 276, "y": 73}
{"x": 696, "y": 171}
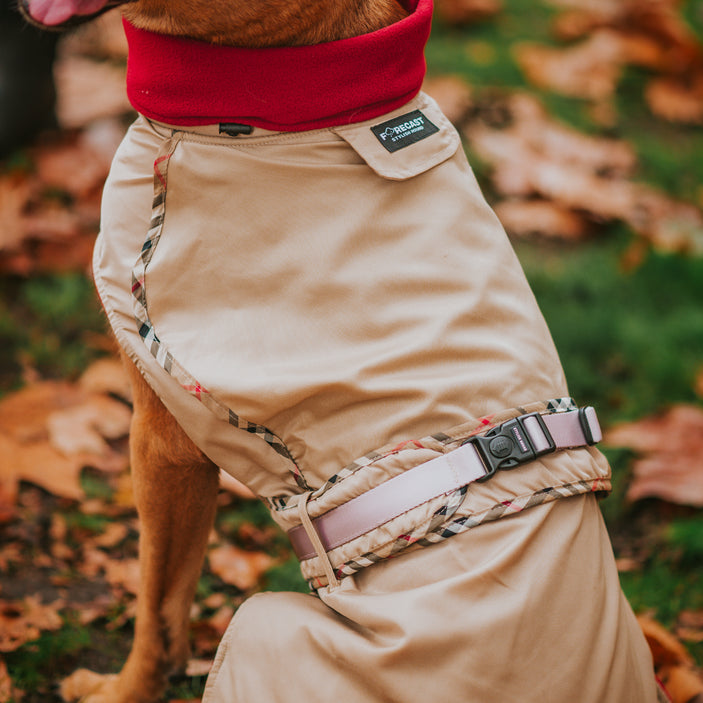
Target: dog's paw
{"x": 88, "y": 687}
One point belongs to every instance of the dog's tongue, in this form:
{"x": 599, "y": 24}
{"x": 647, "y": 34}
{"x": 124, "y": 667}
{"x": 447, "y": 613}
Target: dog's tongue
{"x": 53, "y": 13}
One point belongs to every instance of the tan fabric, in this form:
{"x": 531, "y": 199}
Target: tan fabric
{"x": 339, "y": 308}
{"x": 525, "y": 609}
{"x": 346, "y": 299}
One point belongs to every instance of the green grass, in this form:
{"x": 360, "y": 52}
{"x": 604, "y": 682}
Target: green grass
{"x": 45, "y": 324}
{"x": 630, "y": 342}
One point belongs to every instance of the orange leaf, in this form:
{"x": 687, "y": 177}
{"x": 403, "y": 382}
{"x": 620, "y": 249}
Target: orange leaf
{"x": 123, "y": 573}
{"x": 453, "y": 95}
{"x": 82, "y": 682}
{"x": 675, "y": 100}
{"x": 7, "y": 691}
{"x": 108, "y": 376}
{"x": 50, "y": 430}
{"x": 23, "y": 621}
{"x": 237, "y": 488}
{"x": 241, "y": 568}
{"x": 588, "y": 70}
{"x": 681, "y": 683}
{"x": 527, "y": 217}
{"x": 671, "y": 446}
{"x": 460, "y": 12}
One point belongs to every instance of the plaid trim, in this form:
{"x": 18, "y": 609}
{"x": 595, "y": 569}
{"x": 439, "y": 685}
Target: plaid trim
{"x": 441, "y": 527}
{"x": 159, "y": 350}
{"x": 454, "y": 435}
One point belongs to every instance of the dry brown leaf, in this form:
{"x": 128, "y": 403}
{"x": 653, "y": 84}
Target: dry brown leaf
{"x": 83, "y": 429}
{"x": 106, "y": 376}
{"x": 115, "y": 533}
{"x": 524, "y": 218}
{"x": 682, "y": 683}
{"x": 23, "y": 621}
{"x": 461, "y": 12}
{"x": 588, "y": 70}
{"x": 689, "y": 626}
{"x": 72, "y": 164}
{"x": 82, "y": 682}
{"x": 41, "y": 464}
{"x": 101, "y": 38}
{"x": 237, "y": 488}
{"x": 7, "y": 691}
{"x": 239, "y": 567}
{"x": 666, "y": 649}
{"x": 198, "y": 667}
{"x": 16, "y": 190}
{"x": 88, "y": 91}
{"x": 452, "y": 94}
{"x": 671, "y": 446}
{"x": 50, "y": 430}
{"x": 123, "y": 574}
{"x": 24, "y": 413}
{"x": 533, "y": 155}
{"x": 675, "y": 101}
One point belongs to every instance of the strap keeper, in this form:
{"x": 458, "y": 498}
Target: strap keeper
{"x": 589, "y": 422}
{"x": 315, "y": 540}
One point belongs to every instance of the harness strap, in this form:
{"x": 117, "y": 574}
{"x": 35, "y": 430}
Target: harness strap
{"x": 511, "y": 444}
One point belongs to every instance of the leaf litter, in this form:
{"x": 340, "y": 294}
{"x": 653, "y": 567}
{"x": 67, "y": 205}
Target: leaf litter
{"x": 562, "y": 183}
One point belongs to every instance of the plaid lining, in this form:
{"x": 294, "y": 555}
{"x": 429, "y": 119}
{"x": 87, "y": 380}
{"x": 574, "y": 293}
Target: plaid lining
{"x": 158, "y": 349}
{"x": 441, "y": 527}
{"x": 443, "y": 523}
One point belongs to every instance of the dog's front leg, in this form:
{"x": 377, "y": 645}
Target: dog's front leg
{"x": 175, "y": 488}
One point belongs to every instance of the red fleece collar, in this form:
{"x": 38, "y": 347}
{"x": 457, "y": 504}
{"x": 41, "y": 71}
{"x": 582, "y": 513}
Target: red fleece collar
{"x": 188, "y": 82}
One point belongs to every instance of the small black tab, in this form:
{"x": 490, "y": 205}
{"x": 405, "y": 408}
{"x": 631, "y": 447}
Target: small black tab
{"x": 234, "y": 129}
{"x": 403, "y": 131}
{"x": 586, "y": 427}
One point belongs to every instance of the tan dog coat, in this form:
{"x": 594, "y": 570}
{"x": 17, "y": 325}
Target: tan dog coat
{"x": 303, "y": 299}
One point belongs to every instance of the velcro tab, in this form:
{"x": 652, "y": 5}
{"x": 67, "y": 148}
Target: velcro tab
{"x": 406, "y": 142}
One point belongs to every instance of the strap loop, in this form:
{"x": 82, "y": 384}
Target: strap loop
{"x": 315, "y": 540}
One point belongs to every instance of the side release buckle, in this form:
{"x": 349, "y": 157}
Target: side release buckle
{"x": 513, "y": 443}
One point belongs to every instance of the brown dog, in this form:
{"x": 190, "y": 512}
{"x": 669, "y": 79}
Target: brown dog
{"x": 425, "y": 329}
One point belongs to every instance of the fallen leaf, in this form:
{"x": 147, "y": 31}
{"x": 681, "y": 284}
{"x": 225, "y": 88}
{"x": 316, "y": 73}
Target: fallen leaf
{"x": 106, "y": 376}
{"x": 532, "y": 156}
{"x": 123, "y": 573}
{"x": 81, "y": 683}
{"x": 88, "y": 90}
{"x": 689, "y": 625}
{"x": 41, "y": 464}
{"x": 72, "y": 165}
{"x": 114, "y": 533}
{"x": 100, "y": 38}
{"x": 453, "y": 95}
{"x": 676, "y": 101}
{"x": 237, "y": 488}
{"x": 50, "y": 430}
{"x": 16, "y": 191}
{"x": 7, "y": 691}
{"x": 83, "y": 428}
{"x": 461, "y": 12}
{"x": 239, "y": 567}
{"x": 198, "y": 667}
{"x": 671, "y": 448}
{"x": 588, "y": 70}
{"x": 23, "y": 621}
{"x": 528, "y": 217}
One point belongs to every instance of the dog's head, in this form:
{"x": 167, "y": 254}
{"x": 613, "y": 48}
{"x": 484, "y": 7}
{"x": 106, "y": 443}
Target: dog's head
{"x": 62, "y": 14}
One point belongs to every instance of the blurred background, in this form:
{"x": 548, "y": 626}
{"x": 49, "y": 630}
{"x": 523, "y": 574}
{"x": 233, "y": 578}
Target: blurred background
{"x": 582, "y": 121}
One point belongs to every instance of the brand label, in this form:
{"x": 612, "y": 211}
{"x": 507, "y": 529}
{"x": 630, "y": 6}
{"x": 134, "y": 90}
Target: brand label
{"x": 404, "y": 130}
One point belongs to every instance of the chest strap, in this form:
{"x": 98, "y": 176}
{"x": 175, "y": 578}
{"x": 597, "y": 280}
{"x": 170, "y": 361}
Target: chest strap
{"x": 515, "y": 442}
